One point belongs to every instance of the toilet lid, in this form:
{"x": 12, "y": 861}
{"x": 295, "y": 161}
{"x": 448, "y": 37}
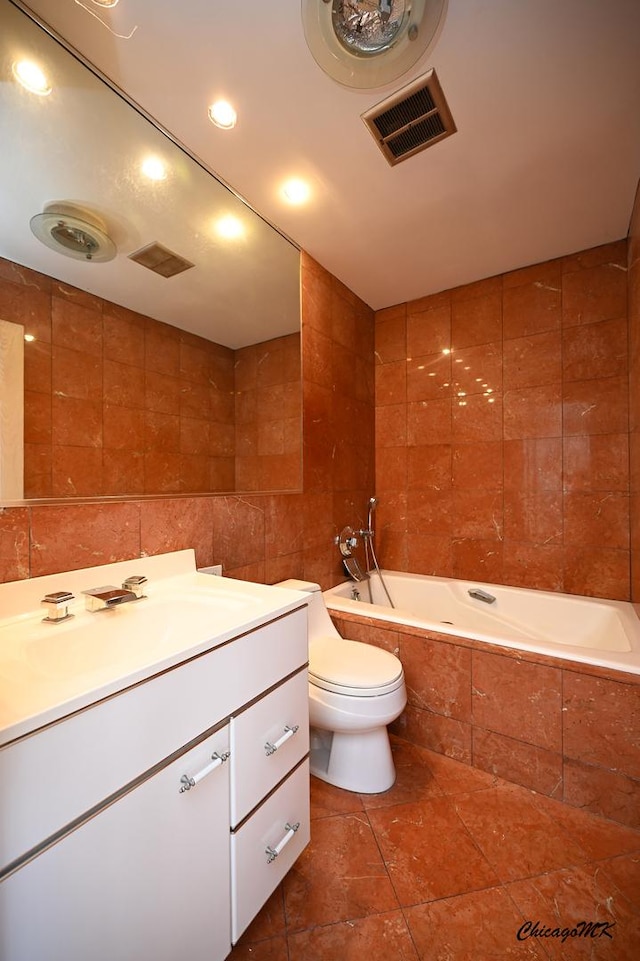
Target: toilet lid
{"x": 352, "y": 664}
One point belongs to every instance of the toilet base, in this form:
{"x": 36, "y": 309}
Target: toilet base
{"x": 353, "y": 761}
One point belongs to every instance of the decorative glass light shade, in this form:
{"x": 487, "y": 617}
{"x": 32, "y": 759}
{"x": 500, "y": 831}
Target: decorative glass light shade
{"x": 368, "y": 43}
{"x": 74, "y": 232}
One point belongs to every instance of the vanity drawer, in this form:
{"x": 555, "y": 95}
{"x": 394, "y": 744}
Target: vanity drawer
{"x": 267, "y": 741}
{"x": 255, "y": 873}
{"x": 60, "y": 772}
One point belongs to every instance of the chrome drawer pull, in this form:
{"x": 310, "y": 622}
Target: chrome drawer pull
{"x": 288, "y": 732}
{"x": 272, "y": 853}
{"x": 216, "y": 761}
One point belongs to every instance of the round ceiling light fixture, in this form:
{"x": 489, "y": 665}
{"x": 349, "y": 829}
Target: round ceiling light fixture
{"x": 368, "y": 43}
{"x": 73, "y": 231}
{"x": 223, "y": 115}
{"x": 32, "y": 77}
{"x": 153, "y": 168}
{"x": 296, "y": 191}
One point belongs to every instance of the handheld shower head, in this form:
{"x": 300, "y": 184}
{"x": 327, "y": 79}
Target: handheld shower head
{"x": 373, "y": 502}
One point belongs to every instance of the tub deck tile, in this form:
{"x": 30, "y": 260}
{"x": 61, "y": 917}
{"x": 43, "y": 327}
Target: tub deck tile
{"x": 518, "y": 699}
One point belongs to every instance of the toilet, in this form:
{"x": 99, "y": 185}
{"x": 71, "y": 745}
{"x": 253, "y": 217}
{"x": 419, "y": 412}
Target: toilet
{"x": 355, "y": 690}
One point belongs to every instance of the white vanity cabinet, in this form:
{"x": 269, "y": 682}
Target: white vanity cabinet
{"x": 120, "y": 822}
{"x": 147, "y": 877}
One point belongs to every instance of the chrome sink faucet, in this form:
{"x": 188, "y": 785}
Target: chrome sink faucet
{"x": 103, "y": 598}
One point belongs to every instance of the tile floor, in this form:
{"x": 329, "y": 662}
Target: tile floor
{"x": 448, "y": 866}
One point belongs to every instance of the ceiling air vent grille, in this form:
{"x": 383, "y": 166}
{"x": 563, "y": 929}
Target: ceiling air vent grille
{"x": 160, "y": 260}
{"x": 411, "y": 119}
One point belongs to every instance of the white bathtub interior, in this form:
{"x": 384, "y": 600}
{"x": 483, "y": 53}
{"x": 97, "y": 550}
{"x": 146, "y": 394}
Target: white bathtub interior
{"x": 591, "y": 630}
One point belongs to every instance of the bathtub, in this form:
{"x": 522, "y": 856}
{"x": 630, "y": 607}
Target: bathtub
{"x": 581, "y": 629}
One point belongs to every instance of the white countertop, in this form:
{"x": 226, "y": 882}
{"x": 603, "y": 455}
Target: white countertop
{"x": 48, "y": 671}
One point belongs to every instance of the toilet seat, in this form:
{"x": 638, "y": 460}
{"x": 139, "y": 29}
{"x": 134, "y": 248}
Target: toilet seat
{"x": 353, "y": 668}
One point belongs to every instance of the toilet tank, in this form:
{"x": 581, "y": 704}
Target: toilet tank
{"x": 320, "y": 623}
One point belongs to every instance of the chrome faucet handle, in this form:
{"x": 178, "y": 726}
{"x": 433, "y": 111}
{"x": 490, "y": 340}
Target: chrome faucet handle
{"x": 480, "y": 595}
{"x": 57, "y": 603}
{"x": 135, "y": 583}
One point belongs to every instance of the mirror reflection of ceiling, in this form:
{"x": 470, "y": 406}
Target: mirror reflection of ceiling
{"x": 545, "y": 96}
{"x": 84, "y": 144}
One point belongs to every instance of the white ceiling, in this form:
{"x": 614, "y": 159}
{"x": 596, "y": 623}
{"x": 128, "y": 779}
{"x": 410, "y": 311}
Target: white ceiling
{"x": 545, "y": 95}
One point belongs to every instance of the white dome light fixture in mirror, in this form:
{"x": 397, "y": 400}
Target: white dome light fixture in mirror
{"x": 229, "y": 227}
{"x": 154, "y": 168}
{"x": 73, "y": 231}
{"x": 32, "y": 77}
{"x": 368, "y": 43}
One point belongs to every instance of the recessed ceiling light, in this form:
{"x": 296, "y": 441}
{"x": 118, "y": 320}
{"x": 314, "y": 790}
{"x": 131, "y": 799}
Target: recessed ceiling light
{"x": 29, "y": 338}
{"x": 32, "y": 77}
{"x": 229, "y": 227}
{"x": 154, "y": 169}
{"x": 296, "y": 191}
{"x": 222, "y": 114}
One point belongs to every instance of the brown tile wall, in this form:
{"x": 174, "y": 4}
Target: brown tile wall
{"x": 268, "y": 409}
{"x": 117, "y": 403}
{"x": 338, "y": 416}
{"x": 263, "y": 537}
{"x": 634, "y": 393}
{"x": 569, "y": 732}
{"x": 502, "y": 431}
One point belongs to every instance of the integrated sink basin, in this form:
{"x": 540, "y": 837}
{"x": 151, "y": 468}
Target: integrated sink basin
{"x": 50, "y": 669}
{"x": 130, "y": 634}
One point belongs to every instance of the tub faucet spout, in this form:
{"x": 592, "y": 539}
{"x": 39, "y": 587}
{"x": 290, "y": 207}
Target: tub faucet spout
{"x": 480, "y": 595}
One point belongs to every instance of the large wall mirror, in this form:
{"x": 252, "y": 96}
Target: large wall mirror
{"x": 174, "y": 372}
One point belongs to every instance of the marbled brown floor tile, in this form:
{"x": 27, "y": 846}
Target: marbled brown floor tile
{"x": 518, "y": 839}
{"x": 327, "y": 800}
{"x": 481, "y": 926}
{"x": 598, "y": 837}
{"x": 562, "y": 899}
{"x": 456, "y": 777}
{"x": 273, "y": 949}
{"x": 340, "y": 876}
{"x": 624, "y": 871}
{"x": 414, "y": 779}
{"x": 270, "y": 920}
{"x": 381, "y": 937}
{"x": 428, "y": 851}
